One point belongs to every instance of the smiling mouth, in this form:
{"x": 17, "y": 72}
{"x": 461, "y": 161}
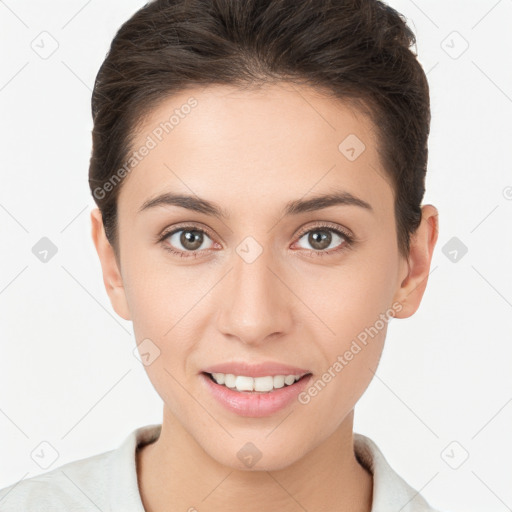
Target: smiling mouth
{"x": 254, "y": 385}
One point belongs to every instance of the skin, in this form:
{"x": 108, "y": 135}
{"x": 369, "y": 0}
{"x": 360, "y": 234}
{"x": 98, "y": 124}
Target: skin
{"x": 252, "y": 151}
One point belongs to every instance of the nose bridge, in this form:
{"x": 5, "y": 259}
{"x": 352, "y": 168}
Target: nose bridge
{"x": 255, "y": 306}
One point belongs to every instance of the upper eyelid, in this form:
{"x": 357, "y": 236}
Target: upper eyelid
{"x": 168, "y": 232}
{"x": 326, "y": 225}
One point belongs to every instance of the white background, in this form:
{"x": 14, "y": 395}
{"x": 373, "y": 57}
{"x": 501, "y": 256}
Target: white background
{"x": 67, "y": 372}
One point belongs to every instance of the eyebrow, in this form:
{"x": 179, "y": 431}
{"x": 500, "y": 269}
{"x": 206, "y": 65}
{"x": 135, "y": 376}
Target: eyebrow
{"x": 295, "y": 207}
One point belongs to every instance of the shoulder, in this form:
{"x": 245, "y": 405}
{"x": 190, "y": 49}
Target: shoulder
{"x": 105, "y": 481}
{"x": 79, "y": 486}
{"x": 390, "y": 490}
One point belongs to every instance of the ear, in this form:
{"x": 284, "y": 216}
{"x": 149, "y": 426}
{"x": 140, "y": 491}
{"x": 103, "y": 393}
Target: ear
{"x": 422, "y": 246}
{"x": 112, "y": 278}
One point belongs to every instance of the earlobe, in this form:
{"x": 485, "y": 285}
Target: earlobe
{"x": 112, "y": 278}
{"x": 422, "y": 245}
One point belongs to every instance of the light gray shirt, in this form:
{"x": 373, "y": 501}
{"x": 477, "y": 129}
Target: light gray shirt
{"x": 107, "y": 482}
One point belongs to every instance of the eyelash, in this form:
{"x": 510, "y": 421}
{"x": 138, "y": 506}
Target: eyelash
{"x": 348, "y": 243}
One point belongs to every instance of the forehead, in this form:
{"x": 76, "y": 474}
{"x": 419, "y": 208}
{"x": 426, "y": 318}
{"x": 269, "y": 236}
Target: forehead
{"x": 236, "y": 146}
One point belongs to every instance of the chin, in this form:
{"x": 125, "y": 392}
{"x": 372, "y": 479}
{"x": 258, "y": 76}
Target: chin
{"x": 258, "y": 454}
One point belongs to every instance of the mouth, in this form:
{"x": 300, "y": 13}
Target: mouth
{"x": 259, "y": 395}
{"x": 255, "y": 385}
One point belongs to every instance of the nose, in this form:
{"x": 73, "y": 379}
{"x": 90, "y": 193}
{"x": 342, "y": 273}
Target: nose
{"x": 256, "y": 303}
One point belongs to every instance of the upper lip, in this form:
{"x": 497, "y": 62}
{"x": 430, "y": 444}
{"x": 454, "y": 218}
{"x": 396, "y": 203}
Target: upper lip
{"x": 268, "y": 368}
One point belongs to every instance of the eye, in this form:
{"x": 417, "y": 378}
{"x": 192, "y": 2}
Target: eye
{"x": 320, "y": 238}
{"x": 187, "y": 239}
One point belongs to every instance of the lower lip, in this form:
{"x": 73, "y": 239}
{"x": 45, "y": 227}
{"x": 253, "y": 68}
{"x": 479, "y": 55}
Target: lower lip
{"x": 252, "y": 404}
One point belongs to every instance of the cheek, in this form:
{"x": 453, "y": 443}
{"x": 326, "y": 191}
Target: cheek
{"x": 168, "y": 305}
{"x": 157, "y": 292}
{"x": 350, "y": 356}
{"x": 351, "y": 297}
{"x": 165, "y": 307}
{"x": 356, "y": 306}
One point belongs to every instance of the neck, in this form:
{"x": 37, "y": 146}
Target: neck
{"x": 175, "y": 473}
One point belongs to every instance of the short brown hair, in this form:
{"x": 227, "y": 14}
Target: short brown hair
{"x": 355, "y": 50}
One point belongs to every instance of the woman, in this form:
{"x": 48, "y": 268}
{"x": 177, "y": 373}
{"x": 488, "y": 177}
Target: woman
{"x": 258, "y": 167}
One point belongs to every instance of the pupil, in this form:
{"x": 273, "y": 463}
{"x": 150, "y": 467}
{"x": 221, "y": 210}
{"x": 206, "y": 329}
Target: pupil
{"x": 192, "y": 240}
{"x": 319, "y": 241}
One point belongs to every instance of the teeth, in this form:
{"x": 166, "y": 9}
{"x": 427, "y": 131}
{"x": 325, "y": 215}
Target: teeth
{"x": 229, "y": 380}
{"x": 279, "y": 381}
{"x": 261, "y": 384}
{"x": 289, "y": 379}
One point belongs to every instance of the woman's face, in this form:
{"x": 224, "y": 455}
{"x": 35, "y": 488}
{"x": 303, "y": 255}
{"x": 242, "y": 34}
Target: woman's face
{"x": 261, "y": 273}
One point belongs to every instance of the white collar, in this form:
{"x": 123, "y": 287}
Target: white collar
{"x": 390, "y": 491}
